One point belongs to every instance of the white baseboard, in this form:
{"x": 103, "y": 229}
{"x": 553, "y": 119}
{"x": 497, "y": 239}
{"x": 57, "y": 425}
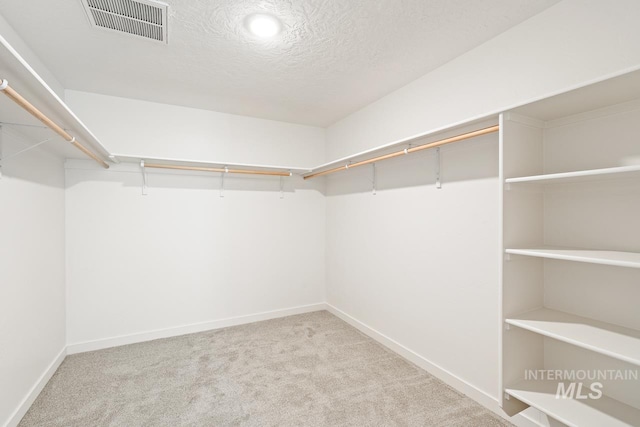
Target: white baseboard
{"x": 31, "y": 396}
{"x": 444, "y": 375}
{"x": 100, "y": 344}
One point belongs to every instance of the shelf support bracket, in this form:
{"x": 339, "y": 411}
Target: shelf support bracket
{"x": 144, "y": 178}
{"x": 438, "y": 182}
{"x": 226, "y": 171}
{"x": 24, "y": 125}
{"x": 282, "y": 187}
{"x": 373, "y": 178}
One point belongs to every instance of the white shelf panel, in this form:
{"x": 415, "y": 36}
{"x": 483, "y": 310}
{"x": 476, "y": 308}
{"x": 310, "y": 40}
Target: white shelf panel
{"x": 465, "y": 126}
{"x": 573, "y": 412}
{"x": 189, "y": 162}
{"x": 32, "y": 87}
{"x": 578, "y": 176}
{"x": 620, "y": 259}
{"x": 605, "y": 338}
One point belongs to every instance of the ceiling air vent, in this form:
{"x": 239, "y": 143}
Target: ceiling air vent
{"x": 142, "y": 18}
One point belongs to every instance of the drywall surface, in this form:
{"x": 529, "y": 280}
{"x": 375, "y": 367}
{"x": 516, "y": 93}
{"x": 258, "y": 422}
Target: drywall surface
{"x": 419, "y": 264}
{"x": 183, "y": 255}
{"x": 32, "y": 284}
{"x": 568, "y": 45}
{"x": 128, "y": 126}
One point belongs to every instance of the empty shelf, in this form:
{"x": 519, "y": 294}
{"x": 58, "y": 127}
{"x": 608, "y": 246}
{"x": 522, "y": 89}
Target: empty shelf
{"x": 621, "y": 259}
{"x": 577, "y": 176}
{"x": 604, "y": 338}
{"x": 127, "y": 158}
{"x": 575, "y": 412}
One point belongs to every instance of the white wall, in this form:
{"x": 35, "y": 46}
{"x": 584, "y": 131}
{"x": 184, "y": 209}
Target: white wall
{"x": 183, "y": 255}
{"x": 420, "y": 265}
{"x": 568, "y": 45}
{"x": 32, "y": 281}
{"x": 128, "y": 126}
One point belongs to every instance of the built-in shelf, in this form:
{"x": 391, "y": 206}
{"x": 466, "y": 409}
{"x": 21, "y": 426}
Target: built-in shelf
{"x": 126, "y": 158}
{"x": 575, "y": 412}
{"x": 424, "y": 137}
{"x": 604, "y": 338}
{"x": 26, "y": 81}
{"x": 577, "y": 176}
{"x": 620, "y": 259}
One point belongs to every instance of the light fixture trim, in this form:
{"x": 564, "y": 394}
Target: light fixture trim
{"x": 263, "y": 25}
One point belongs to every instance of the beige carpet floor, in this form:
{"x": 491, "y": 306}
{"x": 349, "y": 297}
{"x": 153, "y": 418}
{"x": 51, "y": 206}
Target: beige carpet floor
{"x": 305, "y": 370}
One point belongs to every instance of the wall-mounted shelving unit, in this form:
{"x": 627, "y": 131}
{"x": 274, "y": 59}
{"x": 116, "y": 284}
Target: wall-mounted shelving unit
{"x": 195, "y": 164}
{"x": 24, "y": 80}
{"x": 453, "y": 133}
{"x": 576, "y": 233}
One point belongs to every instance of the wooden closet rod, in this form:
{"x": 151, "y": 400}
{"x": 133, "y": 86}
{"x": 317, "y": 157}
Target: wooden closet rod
{"x": 409, "y": 150}
{"x": 223, "y": 170}
{"x": 18, "y": 99}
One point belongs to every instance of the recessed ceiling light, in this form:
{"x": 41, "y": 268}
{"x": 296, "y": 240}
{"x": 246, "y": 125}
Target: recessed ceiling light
{"x": 263, "y": 25}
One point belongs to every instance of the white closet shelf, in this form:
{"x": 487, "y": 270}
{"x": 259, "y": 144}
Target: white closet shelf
{"x": 620, "y": 259}
{"x": 441, "y": 132}
{"x": 604, "y": 411}
{"x": 605, "y": 338}
{"x": 26, "y": 81}
{"x": 578, "y": 176}
{"x": 126, "y": 158}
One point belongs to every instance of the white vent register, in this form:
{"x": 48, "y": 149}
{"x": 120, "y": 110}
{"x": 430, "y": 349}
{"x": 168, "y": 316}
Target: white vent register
{"x": 142, "y": 18}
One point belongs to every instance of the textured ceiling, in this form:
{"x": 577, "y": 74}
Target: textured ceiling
{"x": 333, "y": 57}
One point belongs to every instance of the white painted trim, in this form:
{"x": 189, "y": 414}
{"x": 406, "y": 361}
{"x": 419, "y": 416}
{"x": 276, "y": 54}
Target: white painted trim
{"x": 27, "y": 401}
{"x": 100, "y": 344}
{"x": 444, "y": 375}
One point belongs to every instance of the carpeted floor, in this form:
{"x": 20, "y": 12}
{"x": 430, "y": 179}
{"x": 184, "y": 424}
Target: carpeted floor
{"x": 305, "y": 370}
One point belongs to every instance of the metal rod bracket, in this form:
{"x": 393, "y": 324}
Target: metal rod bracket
{"x": 226, "y": 171}
{"x": 282, "y": 187}
{"x": 373, "y": 178}
{"x": 144, "y": 178}
{"x": 438, "y": 182}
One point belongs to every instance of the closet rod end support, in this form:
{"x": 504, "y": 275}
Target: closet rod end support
{"x": 4, "y": 84}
